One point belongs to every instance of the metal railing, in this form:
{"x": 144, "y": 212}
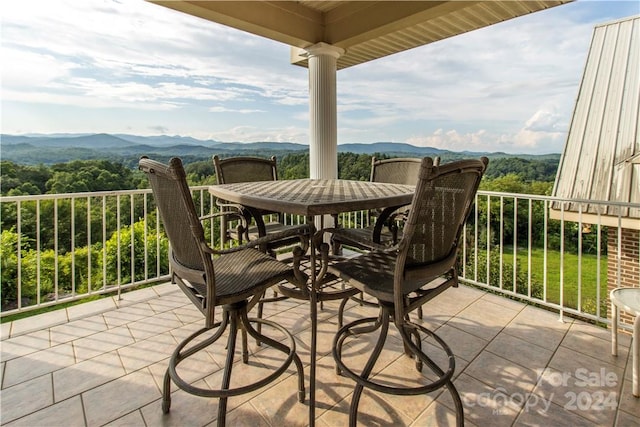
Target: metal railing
{"x": 59, "y": 248}
{"x": 547, "y": 251}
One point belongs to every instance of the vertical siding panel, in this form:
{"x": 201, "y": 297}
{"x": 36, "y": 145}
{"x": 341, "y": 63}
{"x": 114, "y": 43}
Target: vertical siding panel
{"x": 595, "y": 116}
{"x": 624, "y": 185}
{"x": 608, "y": 142}
{"x": 566, "y": 179}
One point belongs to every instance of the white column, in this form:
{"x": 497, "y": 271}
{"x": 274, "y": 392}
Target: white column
{"x": 323, "y": 130}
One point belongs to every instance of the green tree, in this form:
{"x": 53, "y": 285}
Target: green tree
{"x": 201, "y": 173}
{"x": 294, "y": 166}
{"x": 20, "y": 180}
{"x": 9, "y": 264}
{"x": 121, "y": 242}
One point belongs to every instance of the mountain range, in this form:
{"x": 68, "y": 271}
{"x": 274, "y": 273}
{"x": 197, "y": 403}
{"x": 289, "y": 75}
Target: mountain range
{"x": 58, "y": 148}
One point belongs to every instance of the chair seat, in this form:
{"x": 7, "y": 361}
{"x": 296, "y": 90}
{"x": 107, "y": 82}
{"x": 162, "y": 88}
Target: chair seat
{"x": 373, "y": 273}
{"x": 240, "y": 275}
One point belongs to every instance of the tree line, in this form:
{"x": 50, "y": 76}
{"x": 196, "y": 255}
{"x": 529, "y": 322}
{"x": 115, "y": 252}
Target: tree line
{"x": 504, "y": 174}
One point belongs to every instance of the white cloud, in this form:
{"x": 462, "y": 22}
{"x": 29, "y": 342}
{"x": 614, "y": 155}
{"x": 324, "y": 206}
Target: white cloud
{"x": 231, "y": 110}
{"x": 252, "y": 134}
{"x": 525, "y": 140}
{"x": 545, "y": 120}
{"x": 452, "y": 140}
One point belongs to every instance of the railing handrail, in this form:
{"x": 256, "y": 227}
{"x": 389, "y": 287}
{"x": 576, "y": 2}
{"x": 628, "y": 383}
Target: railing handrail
{"x": 205, "y": 187}
{"x": 559, "y": 199}
{"x": 54, "y": 196}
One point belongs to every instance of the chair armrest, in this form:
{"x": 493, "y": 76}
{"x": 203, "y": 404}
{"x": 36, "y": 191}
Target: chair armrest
{"x": 238, "y": 208}
{"x": 337, "y": 232}
{"x": 301, "y": 230}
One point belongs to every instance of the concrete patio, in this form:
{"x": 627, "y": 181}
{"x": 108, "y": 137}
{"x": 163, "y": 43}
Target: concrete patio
{"x": 102, "y": 362}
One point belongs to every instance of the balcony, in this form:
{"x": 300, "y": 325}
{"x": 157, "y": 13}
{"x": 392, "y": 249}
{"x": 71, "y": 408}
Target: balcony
{"x": 530, "y": 338}
{"x": 101, "y": 363}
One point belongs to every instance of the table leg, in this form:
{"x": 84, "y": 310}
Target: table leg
{"x": 313, "y": 311}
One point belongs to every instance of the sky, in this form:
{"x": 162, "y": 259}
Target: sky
{"x": 128, "y": 66}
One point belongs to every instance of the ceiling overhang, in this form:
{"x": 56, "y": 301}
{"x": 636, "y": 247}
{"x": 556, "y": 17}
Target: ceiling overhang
{"x": 366, "y": 30}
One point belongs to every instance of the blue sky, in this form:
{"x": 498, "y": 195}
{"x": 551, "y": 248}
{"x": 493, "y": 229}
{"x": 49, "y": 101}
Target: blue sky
{"x": 127, "y": 66}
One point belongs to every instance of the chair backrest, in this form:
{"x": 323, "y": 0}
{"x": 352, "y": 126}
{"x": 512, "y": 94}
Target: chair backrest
{"x": 441, "y": 204}
{"x": 244, "y": 169}
{"x": 188, "y": 256}
{"x": 396, "y": 171}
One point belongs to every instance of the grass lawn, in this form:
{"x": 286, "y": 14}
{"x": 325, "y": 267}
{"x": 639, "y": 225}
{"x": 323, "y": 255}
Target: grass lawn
{"x": 579, "y": 277}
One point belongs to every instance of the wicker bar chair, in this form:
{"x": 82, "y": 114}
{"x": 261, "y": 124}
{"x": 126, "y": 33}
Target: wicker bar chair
{"x": 231, "y": 280}
{"x": 383, "y": 228}
{"x": 246, "y": 169}
{"x": 406, "y": 276}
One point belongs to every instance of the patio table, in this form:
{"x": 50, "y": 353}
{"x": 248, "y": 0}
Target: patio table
{"x": 311, "y": 198}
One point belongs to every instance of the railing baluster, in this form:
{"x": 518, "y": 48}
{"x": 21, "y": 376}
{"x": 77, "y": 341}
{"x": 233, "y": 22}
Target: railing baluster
{"x": 73, "y": 245}
{"x": 19, "y": 250}
{"x": 529, "y": 247}
{"x": 104, "y": 242}
{"x": 562, "y": 263}
{"x": 598, "y": 252}
{"x": 545, "y": 278}
{"x": 56, "y": 249}
{"x": 515, "y": 245}
{"x": 475, "y": 237}
{"x": 580, "y": 225}
{"x": 132, "y": 240}
{"x": 488, "y": 234}
{"x": 146, "y": 237}
{"x": 38, "y": 255}
{"x": 119, "y": 258}
{"x": 89, "y": 252}
{"x": 501, "y": 241}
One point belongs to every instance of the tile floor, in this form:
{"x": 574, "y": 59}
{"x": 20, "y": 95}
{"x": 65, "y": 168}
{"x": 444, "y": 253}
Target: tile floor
{"x": 101, "y": 364}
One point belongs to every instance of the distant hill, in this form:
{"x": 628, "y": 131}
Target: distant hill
{"x": 391, "y": 147}
{"x": 50, "y": 149}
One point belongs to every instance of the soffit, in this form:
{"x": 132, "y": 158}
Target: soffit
{"x": 366, "y": 30}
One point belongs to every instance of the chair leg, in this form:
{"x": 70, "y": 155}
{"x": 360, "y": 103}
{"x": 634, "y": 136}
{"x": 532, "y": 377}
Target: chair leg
{"x": 357, "y": 392}
{"x": 234, "y": 316}
{"x": 245, "y": 345}
{"x": 410, "y": 333}
{"x": 178, "y": 356}
{"x": 418, "y": 342}
{"x": 246, "y": 322}
{"x": 228, "y": 366}
{"x": 444, "y": 378}
{"x": 343, "y": 303}
{"x": 260, "y": 311}
{"x": 376, "y": 323}
{"x": 166, "y": 393}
